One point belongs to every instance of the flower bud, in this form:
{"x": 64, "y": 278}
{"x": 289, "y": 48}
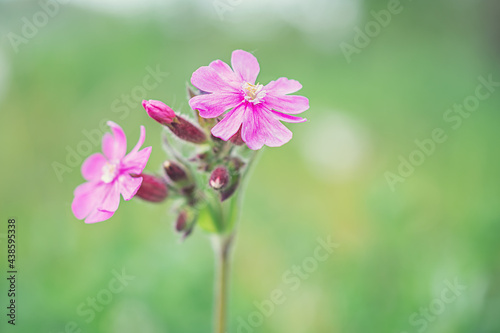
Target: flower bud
{"x": 185, "y": 223}
{"x": 236, "y": 138}
{"x": 181, "y": 222}
{"x": 174, "y": 171}
{"x": 152, "y": 188}
{"x": 229, "y": 191}
{"x": 179, "y": 126}
{"x": 159, "y": 111}
{"x": 186, "y": 131}
{"x": 235, "y": 163}
{"x": 219, "y": 178}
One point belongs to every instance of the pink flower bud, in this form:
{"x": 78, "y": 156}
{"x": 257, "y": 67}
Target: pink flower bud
{"x": 219, "y": 178}
{"x": 152, "y": 188}
{"x": 179, "y": 126}
{"x": 159, "y": 111}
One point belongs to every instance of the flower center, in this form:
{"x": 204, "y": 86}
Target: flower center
{"x": 109, "y": 172}
{"x": 254, "y": 92}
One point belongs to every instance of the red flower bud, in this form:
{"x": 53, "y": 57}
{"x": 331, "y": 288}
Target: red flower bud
{"x": 185, "y": 223}
{"x": 235, "y": 163}
{"x": 152, "y": 188}
{"x": 236, "y": 138}
{"x": 174, "y": 171}
{"x": 181, "y": 222}
{"x": 184, "y": 130}
{"x": 159, "y": 111}
{"x": 219, "y": 178}
{"x": 229, "y": 191}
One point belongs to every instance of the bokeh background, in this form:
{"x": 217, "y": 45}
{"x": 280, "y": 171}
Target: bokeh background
{"x": 398, "y": 245}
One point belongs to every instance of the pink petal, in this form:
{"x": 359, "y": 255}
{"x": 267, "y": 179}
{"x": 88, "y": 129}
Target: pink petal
{"x": 287, "y": 117}
{"x": 213, "y": 105}
{"x": 261, "y": 128}
{"x": 87, "y": 197}
{"x": 207, "y": 79}
{"x": 142, "y": 137}
{"x": 245, "y": 65}
{"x": 231, "y": 123}
{"x": 135, "y": 162}
{"x": 114, "y": 147}
{"x": 290, "y": 104}
{"x": 98, "y": 216}
{"x": 226, "y": 73}
{"x": 111, "y": 199}
{"x": 129, "y": 186}
{"x": 92, "y": 167}
{"x": 283, "y": 86}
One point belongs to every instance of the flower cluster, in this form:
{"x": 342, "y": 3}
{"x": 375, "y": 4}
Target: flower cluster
{"x": 207, "y": 158}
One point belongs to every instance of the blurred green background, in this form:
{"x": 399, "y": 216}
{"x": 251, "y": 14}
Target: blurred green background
{"x": 398, "y": 245}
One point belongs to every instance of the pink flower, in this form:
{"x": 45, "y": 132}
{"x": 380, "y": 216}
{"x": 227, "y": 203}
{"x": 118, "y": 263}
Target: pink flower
{"x": 109, "y": 175}
{"x": 254, "y": 108}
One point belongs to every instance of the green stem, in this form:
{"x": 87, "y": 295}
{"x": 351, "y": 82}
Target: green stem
{"x": 226, "y": 226}
{"x": 222, "y": 249}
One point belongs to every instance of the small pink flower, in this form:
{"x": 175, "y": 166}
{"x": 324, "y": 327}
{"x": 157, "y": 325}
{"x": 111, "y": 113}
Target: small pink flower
{"x": 109, "y": 175}
{"x": 254, "y": 108}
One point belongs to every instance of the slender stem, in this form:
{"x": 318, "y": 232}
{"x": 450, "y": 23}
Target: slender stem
{"x": 222, "y": 248}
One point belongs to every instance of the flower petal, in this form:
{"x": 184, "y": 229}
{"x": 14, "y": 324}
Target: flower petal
{"x": 207, "y": 79}
{"x": 231, "y": 123}
{"x": 261, "y": 128}
{"x": 142, "y": 137}
{"x": 98, "y": 216}
{"x": 129, "y": 186}
{"x": 87, "y": 197}
{"x": 213, "y": 105}
{"x": 111, "y": 199}
{"x": 135, "y": 162}
{"x": 226, "y": 73}
{"x": 287, "y": 117}
{"x": 96, "y": 201}
{"x": 283, "y": 86}
{"x": 114, "y": 146}
{"x": 92, "y": 167}
{"x": 290, "y": 104}
{"x": 245, "y": 65}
